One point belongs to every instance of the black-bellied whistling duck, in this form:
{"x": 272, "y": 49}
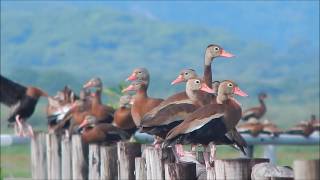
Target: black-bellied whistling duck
{"x": 302, "y": 128}
{"x": 142, "y": 103}
{"x": 270, "y": 128}
{"x": 315, "y": 123}
{"x": 140, "y": 74}
{"x": 95, "y": 131}
{"x": 22, "y": 100}
{"x": 172, "y": 115}
{"x": 256, "y": 112}
{"x": 177, "y": 98}
{"x": 253, "y": 127}
{"x": 122, "y": 116}
{"x": 212, "y": 51}
{"x": 100, "y": 111}
{"x": 212, "y": 122}
{"x": 59, "y": 105}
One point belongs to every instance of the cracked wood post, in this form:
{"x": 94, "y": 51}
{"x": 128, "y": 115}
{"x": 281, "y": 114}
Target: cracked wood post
{"x": 79, "y": 158}
{"x": 155, "y": 159}
{"x": 140, "y": 168}
{"x": 109, "y": 162}
{"x": 127, "y": 152}
{"x": 66, "y": 158}
{"x": 306, "y": 169}
{"x": 38, "y": 156}
{"x": 53, "y": 156}
{"x": 94, "y": 161}
{"x": 180, "y": 171}
{"x": 235, "y": 168}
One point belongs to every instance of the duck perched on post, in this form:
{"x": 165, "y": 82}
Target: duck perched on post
{"x": 22, "y": 100}
{"x": 256, "y": 112}
{"x": 122, "y": 116}
{"x": 167, "y": 118}
{"x": 142, "y": 103}
{"x": 94, "y": 131}
{"x": 220, "y": 118}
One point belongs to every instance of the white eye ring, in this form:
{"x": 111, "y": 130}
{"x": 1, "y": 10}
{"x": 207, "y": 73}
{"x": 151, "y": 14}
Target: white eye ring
{"x": 216, "y": 48}
{"x": 139, "y": 72}
{"x": 230, "y": 85}
{"x": 186, "y": 73}
{"x": 197, "y": 81}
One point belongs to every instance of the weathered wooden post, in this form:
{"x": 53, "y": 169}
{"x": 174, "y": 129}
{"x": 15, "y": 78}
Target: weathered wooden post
{"x": 53, "y": 156}
{"x": 79, "y": 158}
{"x": 211, "y": 175}
{"x": 306, "y": 169}
{"x": 127, "y": 152}
{"x": 94, "y": 161}
{"x": 38, "y": 156}
{"x": 155, "y": 159}
{"x": 175, "y": 171}
{"x": 155, "y": 169}
{"x": 109, "y": 162}
{"x": 66, "y": 158}
{"x": 235, "y": 168}
{"x": 140, "y": 168}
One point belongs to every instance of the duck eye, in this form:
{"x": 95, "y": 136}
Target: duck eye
{"x": 216, "y": 48}
{"x": 186, "y": 73}
{"x": 197, "y": 81}
{"x": 230, "y": 85}
{"x": 139, "y": 72}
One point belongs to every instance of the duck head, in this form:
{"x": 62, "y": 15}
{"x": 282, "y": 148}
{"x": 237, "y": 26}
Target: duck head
{"x": 135, "y": 86}
{"x": 184, "y": 75}
{"x": 227, "y": 89}
{"x": 214, "y": 51}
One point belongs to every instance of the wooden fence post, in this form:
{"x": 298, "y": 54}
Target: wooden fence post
{"x": 306, "y": 169}
{"x": 108, "y": 161}
{"x": 140, "y": 168}
{"x": 233, "y": 168}
{"x": 155, "y": 159}
{"x": 38, "y": 156}
{"x": 53, "y": 156}
{"x": 175, "y": 171}
{"x": 94, "y": 161}
{"x": 79, "y": 158}
{"x": 211, "y": 174}
{"x": 127, "y": 152}
{"x": 66, "y": 158}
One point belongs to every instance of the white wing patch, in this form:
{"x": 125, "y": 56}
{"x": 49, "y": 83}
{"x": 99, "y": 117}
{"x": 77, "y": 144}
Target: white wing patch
{"x": 201, "y": 122}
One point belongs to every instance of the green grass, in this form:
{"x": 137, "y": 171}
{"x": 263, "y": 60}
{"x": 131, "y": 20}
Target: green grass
{"x": 15, "y": 160}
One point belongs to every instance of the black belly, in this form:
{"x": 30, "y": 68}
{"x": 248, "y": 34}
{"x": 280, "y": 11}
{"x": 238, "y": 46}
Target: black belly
{"x": 160, "y": 131}
{"x": 25, "y": 109}
{"x": 214, "y": 131}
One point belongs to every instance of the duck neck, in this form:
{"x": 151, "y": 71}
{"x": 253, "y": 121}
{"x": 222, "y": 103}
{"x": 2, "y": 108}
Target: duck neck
{"x": 222, "y": 98}
{"x": 192, "y": 95}
{"x": 142, "y": 93}
{"x": 207, "y": 70}
{"x": 262, "y": 104}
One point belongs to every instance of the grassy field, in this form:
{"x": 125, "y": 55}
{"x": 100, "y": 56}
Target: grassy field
{"x": 15, "y": 160}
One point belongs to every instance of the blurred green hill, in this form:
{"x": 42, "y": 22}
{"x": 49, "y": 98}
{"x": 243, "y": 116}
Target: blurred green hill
{"x": 53, "y": 46}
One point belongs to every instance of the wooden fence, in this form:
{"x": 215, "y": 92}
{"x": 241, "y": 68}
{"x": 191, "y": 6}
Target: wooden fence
{"x": 54, "y": 157}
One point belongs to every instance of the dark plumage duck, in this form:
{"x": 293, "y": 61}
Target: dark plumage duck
{"x": 167, "y": 118}
{"x": 142, "y": 103}
{"x": 256, "y": 112}
{"x": 122, "y": 116}
{"x": 270, "y": 128}
{"x": 220, "y": 118}
{"x": 302, "y": 128}
{"x": 94, "y": 131}
{"x": 253, "y": 127}
{"x": 22, "y": 100}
